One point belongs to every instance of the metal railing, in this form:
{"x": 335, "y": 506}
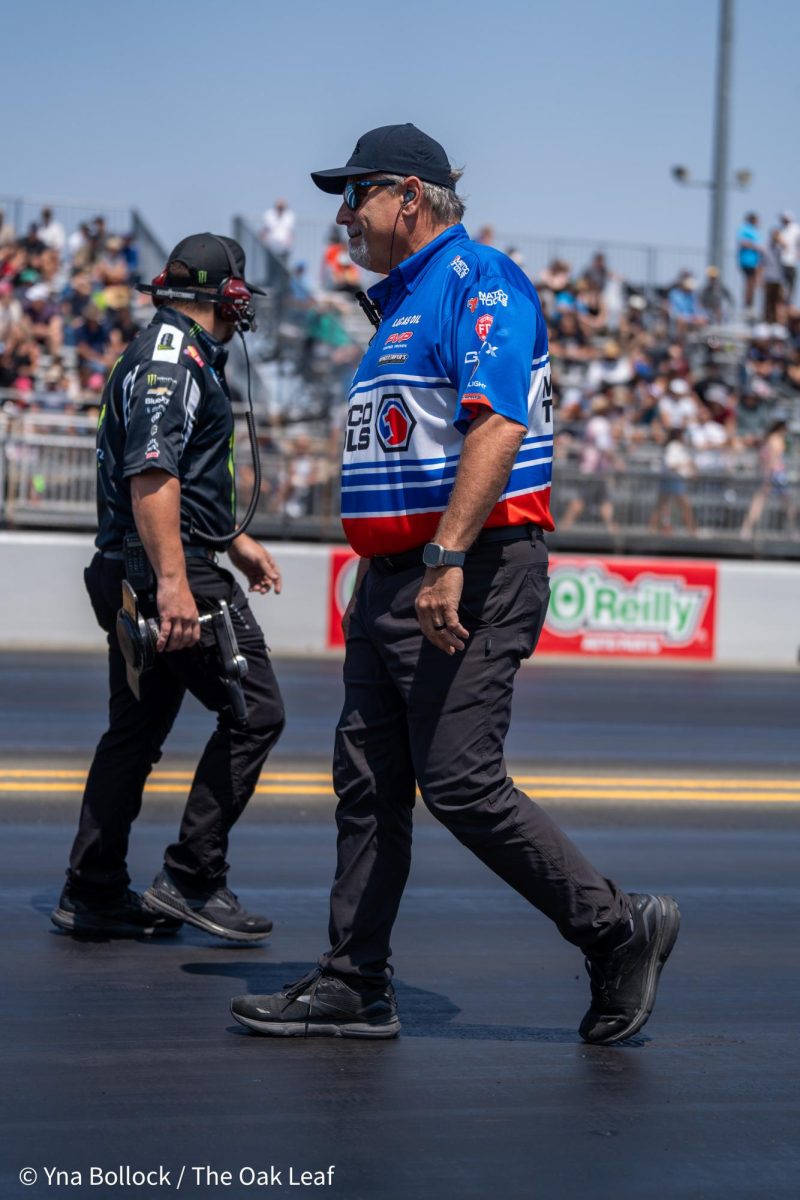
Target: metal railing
{"x": 50, "y": 471}
{"x": 48, "y": 476}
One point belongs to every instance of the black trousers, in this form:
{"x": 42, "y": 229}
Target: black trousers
{"x": 414, "y": 715}
{"x": 231, "y": 763}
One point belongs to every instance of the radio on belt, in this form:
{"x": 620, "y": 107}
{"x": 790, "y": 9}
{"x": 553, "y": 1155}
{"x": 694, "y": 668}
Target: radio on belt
{"x": 138, "y": 635}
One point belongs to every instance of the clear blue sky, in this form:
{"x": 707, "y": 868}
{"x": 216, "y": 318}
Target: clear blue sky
{"x": 567, "y": 115}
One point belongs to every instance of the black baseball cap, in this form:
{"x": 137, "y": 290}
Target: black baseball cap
{"x": 395, "y": 149}
{"x": 210, "y": 258}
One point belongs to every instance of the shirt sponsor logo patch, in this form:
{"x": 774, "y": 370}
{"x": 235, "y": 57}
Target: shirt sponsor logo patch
{"x": 489, "y": 299}
{"x": 394, "y": 338}
{"x": 412, "y": 319}
{"x": 483, "y": 325}
{"x": 460, "y": 267}
{"x": 168, "y": 344}
{"x": 152, "y": 454}
{"x": 194, "y": 353}
{"x": 394, "y": 423}
{"x": 392, "y": 358}
{"x": 473, "y": 398}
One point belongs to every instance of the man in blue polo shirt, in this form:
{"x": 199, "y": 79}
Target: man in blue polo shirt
{"x": 445, "y": 495}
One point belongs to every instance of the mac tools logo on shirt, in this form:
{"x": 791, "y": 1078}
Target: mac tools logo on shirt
{"x": 395, "y": 423}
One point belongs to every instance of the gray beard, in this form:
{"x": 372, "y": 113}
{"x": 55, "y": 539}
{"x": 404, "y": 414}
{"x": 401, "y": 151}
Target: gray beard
{"x": 360, "y": 254}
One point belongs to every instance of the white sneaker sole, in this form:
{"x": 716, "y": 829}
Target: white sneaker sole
{"x": 159, "y": 903}
{"x": 354, "y": 1029}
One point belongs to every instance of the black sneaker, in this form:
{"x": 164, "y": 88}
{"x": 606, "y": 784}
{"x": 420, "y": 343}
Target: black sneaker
{"x": 217, "y": 911}
{"x": 624, "y": 981}
{"x": 122, "y": 916}
{"x": 321, "y": 1006}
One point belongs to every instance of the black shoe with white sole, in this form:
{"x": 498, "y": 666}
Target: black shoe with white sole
{"x": 321, "y": 1006}
{"x": 216, "y": 911}
{"x": 121, "y": 916}
{"x": 625, "y": 980}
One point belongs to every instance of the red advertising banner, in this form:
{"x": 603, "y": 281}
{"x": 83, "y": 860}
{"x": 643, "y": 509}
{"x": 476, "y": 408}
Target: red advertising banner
{"x": 342, "y": 578}
{"x": 631, "y": 608}
{"x": 599, "y": 607}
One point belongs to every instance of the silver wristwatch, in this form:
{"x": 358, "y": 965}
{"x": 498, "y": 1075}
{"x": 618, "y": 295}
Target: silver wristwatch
{"x": 434, "y": 555}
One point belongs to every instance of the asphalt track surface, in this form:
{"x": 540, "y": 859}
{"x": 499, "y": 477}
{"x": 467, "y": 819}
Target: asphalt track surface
{"x": 123, "y": 1054}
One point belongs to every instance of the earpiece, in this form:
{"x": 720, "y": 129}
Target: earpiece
{"x": 409, "y": 196}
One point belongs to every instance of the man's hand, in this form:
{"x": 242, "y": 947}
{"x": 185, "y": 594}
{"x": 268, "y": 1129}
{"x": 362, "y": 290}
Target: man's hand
{"x": 178, "y": 616}
{"x": 256, "y": 563}
{"x": 437, "y": 608}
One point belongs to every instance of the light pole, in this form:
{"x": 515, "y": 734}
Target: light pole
{"x": 721, "y": 126}
{"x": 718, "y": 184}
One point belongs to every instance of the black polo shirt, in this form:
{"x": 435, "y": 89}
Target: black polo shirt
{"x": 166, "y": 406}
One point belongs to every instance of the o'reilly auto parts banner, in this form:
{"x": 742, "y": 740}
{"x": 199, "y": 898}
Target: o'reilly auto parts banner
{"x": 612, "y": 607}
{"x": 624, "y": 608}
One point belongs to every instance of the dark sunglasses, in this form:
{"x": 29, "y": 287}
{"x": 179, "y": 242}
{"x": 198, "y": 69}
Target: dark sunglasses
{"x": 351, "y": 196}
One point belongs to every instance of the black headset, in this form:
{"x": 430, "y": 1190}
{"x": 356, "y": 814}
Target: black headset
{"x": 232, "y": 297}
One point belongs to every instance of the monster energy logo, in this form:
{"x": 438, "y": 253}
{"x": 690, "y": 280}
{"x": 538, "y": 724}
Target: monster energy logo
{"x": 152, "y": 380}
{"x": 202, "y": 276}
{"x": 232, "y": 470}
{"x": 193, "y": 332}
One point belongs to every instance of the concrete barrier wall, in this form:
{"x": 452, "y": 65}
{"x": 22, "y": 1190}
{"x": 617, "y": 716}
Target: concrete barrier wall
{"x": 43, "y": 603}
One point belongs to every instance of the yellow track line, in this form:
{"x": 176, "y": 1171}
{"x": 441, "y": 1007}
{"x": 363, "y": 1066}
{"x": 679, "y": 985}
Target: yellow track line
{"x": 595, "y": 793}
{"x": 187, "y": 775}
{"x": 622, "y": 781}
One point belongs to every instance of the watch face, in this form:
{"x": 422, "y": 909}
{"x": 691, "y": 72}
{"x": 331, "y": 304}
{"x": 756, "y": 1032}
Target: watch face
{"x": 432, "y": 555}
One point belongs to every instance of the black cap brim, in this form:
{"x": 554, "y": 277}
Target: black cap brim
{"x": 251, "y": 287}
{"x": 333, "y": 181}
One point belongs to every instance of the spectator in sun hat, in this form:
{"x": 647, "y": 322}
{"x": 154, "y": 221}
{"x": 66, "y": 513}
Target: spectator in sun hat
{"x": 677, "y": 408}
{"x": 684, "y": 309}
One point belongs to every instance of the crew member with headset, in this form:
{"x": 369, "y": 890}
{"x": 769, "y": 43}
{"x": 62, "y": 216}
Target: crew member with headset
{"x": 445, "y": 495}
{"x": 166, "y": 501}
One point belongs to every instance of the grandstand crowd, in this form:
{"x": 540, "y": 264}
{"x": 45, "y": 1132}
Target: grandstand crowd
{"x": 66, "y": 311}
{"x": 688, "y": 379}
